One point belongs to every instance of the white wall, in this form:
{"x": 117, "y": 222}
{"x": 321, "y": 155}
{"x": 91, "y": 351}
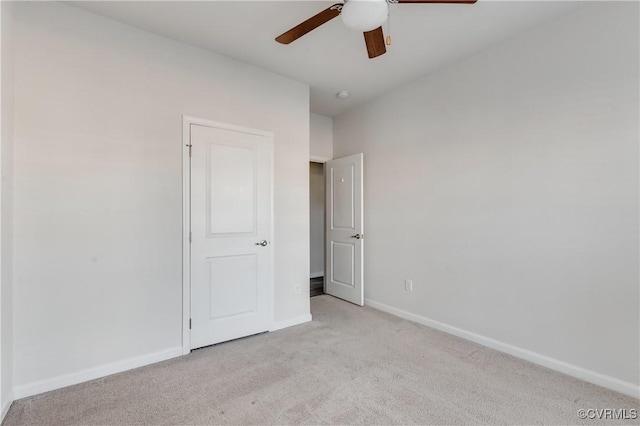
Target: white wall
{"x": 321, "y": 136}
{"x": 316, "y": 218}
{"x": 506, "y": 187}
{"x": 98, "y": 193}
{"x": 6, "y": 215}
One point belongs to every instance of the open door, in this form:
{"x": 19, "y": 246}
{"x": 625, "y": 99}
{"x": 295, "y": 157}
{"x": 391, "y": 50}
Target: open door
{"x": 344, "y": 251}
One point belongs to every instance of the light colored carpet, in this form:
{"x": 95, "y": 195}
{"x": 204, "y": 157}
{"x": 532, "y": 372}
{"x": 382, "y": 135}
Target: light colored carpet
{"x": 351, "y": 365}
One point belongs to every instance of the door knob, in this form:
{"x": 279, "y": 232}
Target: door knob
{"x": 263, "y": 243}
{"x": 357, "y": 236}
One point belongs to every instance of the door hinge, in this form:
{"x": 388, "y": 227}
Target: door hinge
{"x": 190, "y": 239}
{"x": 189, "y": 323}
{"x": 190, "y": 146}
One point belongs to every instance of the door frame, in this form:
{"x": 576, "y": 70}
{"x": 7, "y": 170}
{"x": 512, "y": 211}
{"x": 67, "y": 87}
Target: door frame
{"x": 187, "y": 121}
{"x": 323, "y": 161}
{"x": 318, "y": 159}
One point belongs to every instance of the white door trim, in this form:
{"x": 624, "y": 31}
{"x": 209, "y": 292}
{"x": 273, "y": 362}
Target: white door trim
{"x": 187, "y": 121}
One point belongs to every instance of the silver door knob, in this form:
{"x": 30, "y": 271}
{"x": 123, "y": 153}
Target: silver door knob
{"x": 357, "y": 236}
{"x": 263, "y": 243}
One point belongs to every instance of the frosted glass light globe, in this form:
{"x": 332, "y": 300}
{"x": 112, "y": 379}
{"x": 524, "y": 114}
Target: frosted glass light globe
{"x": 364, "y": 15}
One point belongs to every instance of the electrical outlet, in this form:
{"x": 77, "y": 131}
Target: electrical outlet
{"x": 408, "y": 285}
{"x": 297, "y": 288}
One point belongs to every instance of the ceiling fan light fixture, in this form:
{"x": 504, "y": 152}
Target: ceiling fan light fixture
{"x": 364, "y": 15}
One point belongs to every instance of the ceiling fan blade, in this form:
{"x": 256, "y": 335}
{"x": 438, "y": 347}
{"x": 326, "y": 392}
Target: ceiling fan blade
{"x": 375, "y": 42}
{"x": 435, "y": 1}
{"x": 310, "y": 24}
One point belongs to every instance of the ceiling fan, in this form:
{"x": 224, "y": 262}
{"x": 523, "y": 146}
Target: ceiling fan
{"x": 363, "y": 15}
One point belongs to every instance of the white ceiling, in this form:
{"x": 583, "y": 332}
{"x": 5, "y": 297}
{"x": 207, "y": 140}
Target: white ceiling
{"x": 333, "y": 57}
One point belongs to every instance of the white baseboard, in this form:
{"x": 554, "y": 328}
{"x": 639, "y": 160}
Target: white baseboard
{"x": 94, "y": 373}
{"x": 5, "y": 407}
{"x": 279, "y": 325}
{"x": 317, "y": 274}
{"x": 599, "y": 379}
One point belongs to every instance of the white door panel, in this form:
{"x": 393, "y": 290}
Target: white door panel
{"x": 342, "y": 181}
{"x": 230, "y": 213}
{"x": 233, "y": 284}
{"x": 344, "y": 271}
{"x": 343, "y": 257}
{"x": 232, "y": 191}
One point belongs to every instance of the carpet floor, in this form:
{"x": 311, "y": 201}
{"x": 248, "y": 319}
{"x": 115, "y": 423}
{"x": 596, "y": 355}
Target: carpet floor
{"x": 351, "y": 365}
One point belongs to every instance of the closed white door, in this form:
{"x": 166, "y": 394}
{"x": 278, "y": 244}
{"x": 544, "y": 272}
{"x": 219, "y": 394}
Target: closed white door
{"x": 344, "y": 273}
{"x": 231, "y": 252}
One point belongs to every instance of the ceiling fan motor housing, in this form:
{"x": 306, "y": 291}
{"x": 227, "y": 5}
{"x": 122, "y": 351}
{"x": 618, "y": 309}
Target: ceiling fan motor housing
{"x": 364, "y": 15}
